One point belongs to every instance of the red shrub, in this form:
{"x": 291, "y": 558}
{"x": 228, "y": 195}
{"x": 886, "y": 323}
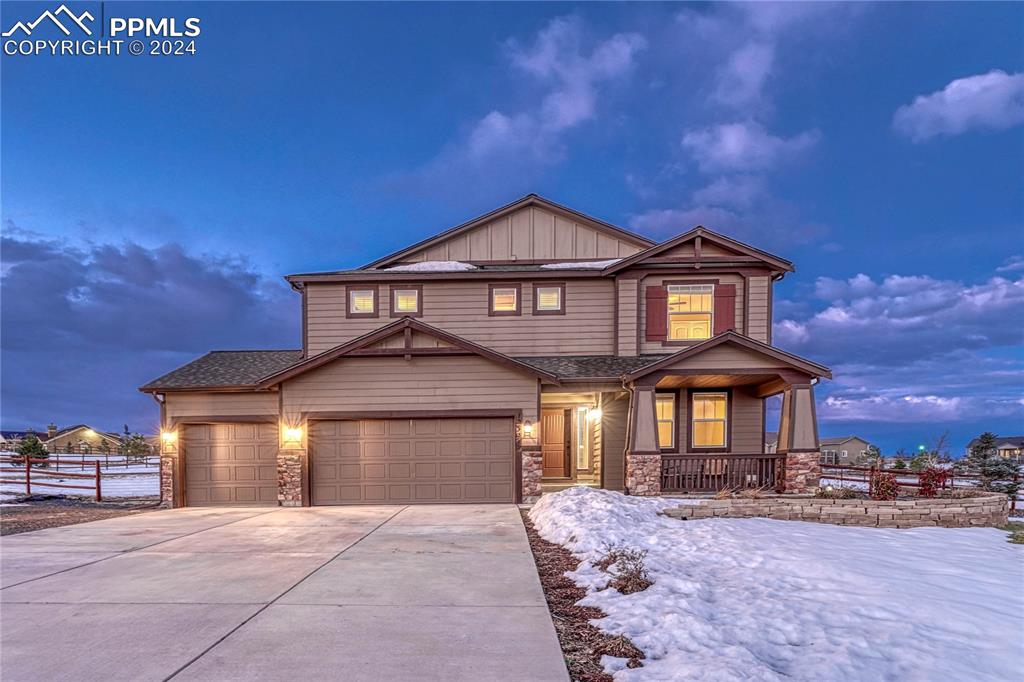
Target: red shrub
{"x": 884, "y": 486}
{"x": 931, "y": 479}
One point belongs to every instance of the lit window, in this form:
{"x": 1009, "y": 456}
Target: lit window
{"x": 406, "y": 300}
{"x": 665, "y": 408}
{"x": 361, "y": 301}
{"x": 549, "y": 298}
{"x": 504, "y": 299}
{"x": 689, "y": 311}
{"x": 583, "y": 438}
{"x": 709, "y": 420}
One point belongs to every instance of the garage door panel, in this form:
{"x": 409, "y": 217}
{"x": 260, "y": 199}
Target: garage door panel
{"x": 412, "y": 460}
{"x": 230, "y": 464}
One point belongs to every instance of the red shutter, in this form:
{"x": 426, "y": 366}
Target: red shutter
{"x": 657, "y": 314}
{"x": 725, "y": 307}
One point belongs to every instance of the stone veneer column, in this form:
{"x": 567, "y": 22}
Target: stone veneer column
{"x": 798, "y": 439}
{"x": 643, "y": 458}
{"x": 528, "y": 450}
{"x": 168, "y": 473}
{"x": 291, "y": 461}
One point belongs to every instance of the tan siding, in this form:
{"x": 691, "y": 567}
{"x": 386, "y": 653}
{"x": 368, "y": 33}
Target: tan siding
{"x": 685, "y": 250}
{"x": 181, "y": 405}
{"x": 747, "y": 424}
{"x": 655, "y": 346}
{"x": 432, "y": 383}
{"x": 460, "y": 308}
{"x": 531, "y": 233}
{"x": 727, "y": 357}
{"x": 613, "y": 440}
{"x": 760, "y": 290}
{"x": 627, "y": 289}
{"x": 714, "y": 250}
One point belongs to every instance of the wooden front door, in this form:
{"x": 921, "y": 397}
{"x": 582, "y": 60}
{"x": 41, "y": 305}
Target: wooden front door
{"x": 554, "y": 443}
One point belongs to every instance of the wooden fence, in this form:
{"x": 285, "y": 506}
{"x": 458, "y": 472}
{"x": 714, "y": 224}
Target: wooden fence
{"x": 108, "y": 460}
{"x": 44, "y": 478}
{"x": 714, "y": 472}
{"x": 855, "y": 474}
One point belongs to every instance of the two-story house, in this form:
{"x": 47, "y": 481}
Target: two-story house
{"x": 531, "y": 344}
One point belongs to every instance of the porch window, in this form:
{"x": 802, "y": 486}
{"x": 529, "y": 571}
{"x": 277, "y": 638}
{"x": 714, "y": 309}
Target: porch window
{"x": 709, "y": 420}
{"x": 665, "y": 408}
{"x": 583, "y": 438}
{"x": 361, "y": 301}
{"x": 690, "y": 309}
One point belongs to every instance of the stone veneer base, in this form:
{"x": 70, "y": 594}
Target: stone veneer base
{"x": 985, "y": 510}
{"x": 643, "y": 474}
{"x": 533, "y": 469}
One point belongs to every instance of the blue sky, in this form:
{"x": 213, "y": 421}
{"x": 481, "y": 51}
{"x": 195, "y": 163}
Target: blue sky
{"x": 151, "y": 204}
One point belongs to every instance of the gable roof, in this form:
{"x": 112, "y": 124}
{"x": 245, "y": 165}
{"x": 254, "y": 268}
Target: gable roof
{"x": 839, "y": 440}
{"x": 78, "y": 427}
{"x": 396, "y": 327}
{"x": 701, "y": 232}
{"x": 225, "y": 369}
{"x": 731, "y": 337}
{"x": 529, "y": 200}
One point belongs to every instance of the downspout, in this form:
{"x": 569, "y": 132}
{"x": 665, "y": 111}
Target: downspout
{"x": 629, "y": 431}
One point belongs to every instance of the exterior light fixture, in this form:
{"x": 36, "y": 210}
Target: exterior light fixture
{"x": 595, "y": 414}
{"x": 293, "y": 434}
{"x": 168, "y": 437}
{"x": 528, "y": 429}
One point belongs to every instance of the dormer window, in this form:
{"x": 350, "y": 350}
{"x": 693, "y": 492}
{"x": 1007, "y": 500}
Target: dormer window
{"x": 505, "y": 299}
{"x": 406, "y": 300}
{"x": 362, "y": 301}
{"x": 690, "y": 309}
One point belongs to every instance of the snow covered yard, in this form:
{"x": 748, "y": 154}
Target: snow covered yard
{"x": 114, "y": 484}
{"x": 759, "y": 599}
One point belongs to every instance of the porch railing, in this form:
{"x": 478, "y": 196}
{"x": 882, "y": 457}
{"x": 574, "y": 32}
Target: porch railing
{"x": 713, "y": 472}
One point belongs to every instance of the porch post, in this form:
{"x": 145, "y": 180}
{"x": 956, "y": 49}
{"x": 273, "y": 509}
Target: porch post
{"x": 798, "y": 439}
{"x": 643, "y": 458}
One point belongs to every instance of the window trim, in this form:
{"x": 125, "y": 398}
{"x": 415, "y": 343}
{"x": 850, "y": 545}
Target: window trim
{"x": 675, "y": 418}
{"x": 350, "y": 289}
{"x": 682, "y": 343}
{"x": 491, "y": 312}
{"x": 727, "y": 392}
{"x": 395, "y": 288}
{"x": 537, "y": 286}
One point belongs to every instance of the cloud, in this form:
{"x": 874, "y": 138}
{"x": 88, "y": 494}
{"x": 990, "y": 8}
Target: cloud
{"x": 85, "y": 325}
{"x": 1012, "y": 264}
{"x": 912, "y": 348}
{"x": 744, "y": 146}
{"x": 741, "y": 79}
{"x": 992, "y": 101}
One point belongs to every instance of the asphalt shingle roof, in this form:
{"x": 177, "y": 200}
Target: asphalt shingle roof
{"x": 590, "y": 366}
{"x": 227, "y": 368}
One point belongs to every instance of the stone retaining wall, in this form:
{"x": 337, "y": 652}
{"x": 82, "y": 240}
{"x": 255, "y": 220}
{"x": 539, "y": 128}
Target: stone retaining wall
{"x": 990, "y": 509}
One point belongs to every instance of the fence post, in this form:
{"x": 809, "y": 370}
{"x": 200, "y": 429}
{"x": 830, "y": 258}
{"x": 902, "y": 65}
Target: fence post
{"x": 28, "y": 475}
{"x": 99, "y": 495}
{"x": 871, "y": 479}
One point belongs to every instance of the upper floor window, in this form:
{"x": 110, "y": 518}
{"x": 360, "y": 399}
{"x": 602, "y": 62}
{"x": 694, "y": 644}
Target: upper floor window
{"x": 549, "y": 299}
{"x": 665, "y": 409}
{"x": 505, "y": 299}
{"x": 690, "y": 310}
{"x": 406, "y": 300}
{"x": 710, "y": 420}
{"x": 362, "y": 301}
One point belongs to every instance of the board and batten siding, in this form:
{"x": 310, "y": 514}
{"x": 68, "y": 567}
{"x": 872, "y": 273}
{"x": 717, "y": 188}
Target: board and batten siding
{"x": 461, "y": 308}
{"x": 184, "y": 405}
{"x": 758, "y": 313}
{"x": 530, "y": 233}
{"x": 387, "y": 384}
{"x": 627, "y": 311}
{"x": 747, "y": 430}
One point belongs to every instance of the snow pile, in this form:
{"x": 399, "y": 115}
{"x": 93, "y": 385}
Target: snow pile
{"x": 583, "y": 265}
{"x": 434, "y": 266}
{"x": 758, "y": 599}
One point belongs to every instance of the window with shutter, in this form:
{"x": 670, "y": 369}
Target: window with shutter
{"x": 690, "y": 311}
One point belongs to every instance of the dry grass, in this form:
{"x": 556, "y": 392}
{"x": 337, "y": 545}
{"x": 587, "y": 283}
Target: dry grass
{"x": 54, "y": 512}
{"x": 626, "y": 567}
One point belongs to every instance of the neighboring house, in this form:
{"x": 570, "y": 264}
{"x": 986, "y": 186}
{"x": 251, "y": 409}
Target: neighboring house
{"x": 844, "y": 450}
{"x": 1008, "y": 447}
{"x": 78, "y": 438}
{"x": 771, "y": 441}
{"x": 10, "y": 440}
{"x": 530, "y": 344}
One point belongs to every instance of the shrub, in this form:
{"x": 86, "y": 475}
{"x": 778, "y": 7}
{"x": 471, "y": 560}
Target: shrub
{"x": 900, "y": 464}
{"x": 836, "y": 493}
{"x": 626, "y": 566}
{"x": 724, "y": 494}
{"x": 31, "y": 447}
{"x": 753, "y": 493}
{"x": 932, "y": 480}
{"x": 884, "y": 486}
{"x": 998, "y": 474}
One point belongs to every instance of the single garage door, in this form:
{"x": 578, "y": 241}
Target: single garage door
{"x": 412, "y": 461}
{"x": 230, "y": 464}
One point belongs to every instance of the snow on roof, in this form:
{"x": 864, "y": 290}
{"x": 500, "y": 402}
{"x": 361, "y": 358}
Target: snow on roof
{"x": 434, "y": 266}
{"x": 582, "y": 265}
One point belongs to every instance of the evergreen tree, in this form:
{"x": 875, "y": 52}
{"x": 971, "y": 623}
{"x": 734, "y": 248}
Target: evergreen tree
{"x": 31, "y": 447}
{"x": 997, "y": 473}
{"x": 136, "y": 447}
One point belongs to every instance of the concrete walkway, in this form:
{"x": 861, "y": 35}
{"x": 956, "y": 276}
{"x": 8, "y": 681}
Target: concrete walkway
{"x": 354, "y": 593}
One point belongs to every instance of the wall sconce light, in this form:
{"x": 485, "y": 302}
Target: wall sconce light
{"x": 595, "y": 414}
{"x": 168, "y": 437}
{"x": 528, "y": 429}
{"x": 293, "y": 434}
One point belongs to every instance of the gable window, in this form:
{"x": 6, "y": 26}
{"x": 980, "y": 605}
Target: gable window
{"x": 362, "y": 301}
{"x": 665, "y": 409}
{"x": 406, "y": 300}
{"x": 709, "y": 420}
{"x": 690, "y": 310}
{"x": 549, "y": 299}
{"x": 505, "y": 299}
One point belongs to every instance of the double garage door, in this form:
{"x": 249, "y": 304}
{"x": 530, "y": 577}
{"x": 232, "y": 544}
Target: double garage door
{"x": 370, "y": 461}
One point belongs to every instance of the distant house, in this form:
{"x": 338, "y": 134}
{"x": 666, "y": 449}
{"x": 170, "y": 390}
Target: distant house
{"x": 1009, "y": 447}
{"x": 9, "y": 440}
{"x": 844, "y": 450}
{"x": 771, "y": 441}
{"x": 79, "y": 438}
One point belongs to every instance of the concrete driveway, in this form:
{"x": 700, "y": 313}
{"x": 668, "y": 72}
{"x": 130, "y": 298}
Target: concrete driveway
{"x": 360, "y": 593}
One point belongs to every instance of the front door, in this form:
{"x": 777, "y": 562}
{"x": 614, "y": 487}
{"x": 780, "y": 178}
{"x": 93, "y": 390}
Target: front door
{"x": 554, "y": 443}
